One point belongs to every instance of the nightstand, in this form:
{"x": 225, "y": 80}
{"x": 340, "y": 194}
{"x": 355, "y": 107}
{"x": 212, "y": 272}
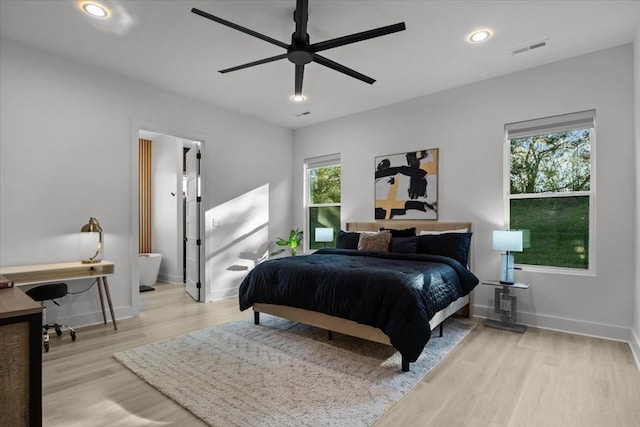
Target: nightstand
{"x": 505, "y": 305}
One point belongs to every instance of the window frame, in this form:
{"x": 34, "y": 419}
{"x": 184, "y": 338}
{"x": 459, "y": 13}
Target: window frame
{"x": 314, "y": 163}
{"x": 553, "y": 124}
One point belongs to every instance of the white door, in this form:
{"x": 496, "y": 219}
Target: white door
{"x": 193, "y": 247}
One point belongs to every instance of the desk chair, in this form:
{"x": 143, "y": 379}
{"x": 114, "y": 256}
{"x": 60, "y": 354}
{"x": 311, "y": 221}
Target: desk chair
{"x": 50, "y": 292}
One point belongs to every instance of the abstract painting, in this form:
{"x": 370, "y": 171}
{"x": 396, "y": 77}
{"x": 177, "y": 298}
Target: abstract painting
{"x": 406, "y": 185}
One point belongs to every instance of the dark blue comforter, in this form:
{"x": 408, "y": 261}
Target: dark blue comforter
{"x": 398, "y": 293}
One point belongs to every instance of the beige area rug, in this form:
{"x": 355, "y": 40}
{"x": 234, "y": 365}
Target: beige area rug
{"x": 281, "y": 373}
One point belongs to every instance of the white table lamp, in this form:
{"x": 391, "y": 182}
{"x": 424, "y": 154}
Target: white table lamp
{"x": 324, "y": 235}
{"x": 507, "y": 241}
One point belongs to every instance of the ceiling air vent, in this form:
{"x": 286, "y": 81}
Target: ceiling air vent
{"x": 303, "y": 114}
{"x": 529, "y": 47}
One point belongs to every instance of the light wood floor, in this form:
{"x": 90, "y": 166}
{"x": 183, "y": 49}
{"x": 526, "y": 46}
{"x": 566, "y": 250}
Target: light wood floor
{"x": 493, "y": 378}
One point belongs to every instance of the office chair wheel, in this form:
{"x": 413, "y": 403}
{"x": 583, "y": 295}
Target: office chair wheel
{"x": 45, "y": 341}
{"x": 58, "y": 332}
{"x": 73, "y": 335}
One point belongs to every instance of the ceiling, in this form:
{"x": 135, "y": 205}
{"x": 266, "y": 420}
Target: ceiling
{"x": 162, "y": 43}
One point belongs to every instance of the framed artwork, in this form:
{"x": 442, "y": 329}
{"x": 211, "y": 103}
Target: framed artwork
{"x": 406, "y": 185}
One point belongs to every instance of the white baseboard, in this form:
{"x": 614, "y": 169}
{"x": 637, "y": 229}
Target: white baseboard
{"x": 635, "y": 347}
{"x": 88, "y": 319}
{"x": 219, "y": 294}
{"x": 169, "y": 278}
{"x": 597, "y": 330}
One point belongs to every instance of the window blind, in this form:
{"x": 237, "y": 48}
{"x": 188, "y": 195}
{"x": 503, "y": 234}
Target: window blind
{"x": 562, "y": 123}
{"x": 318, "y": 162}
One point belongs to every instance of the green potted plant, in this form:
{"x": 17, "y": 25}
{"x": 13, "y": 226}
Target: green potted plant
{"x": 295, "y": 237}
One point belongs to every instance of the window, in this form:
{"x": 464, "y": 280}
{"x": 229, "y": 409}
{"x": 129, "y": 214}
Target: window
{"x": 322, "y": 199}
{"x": 550, "y": 189}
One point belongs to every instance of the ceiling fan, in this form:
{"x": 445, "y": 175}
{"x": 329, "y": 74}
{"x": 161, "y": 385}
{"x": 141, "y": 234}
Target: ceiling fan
{"x": 301, "y": 52}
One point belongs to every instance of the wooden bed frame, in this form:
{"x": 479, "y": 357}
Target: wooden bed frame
{"x": 349, "y": 327}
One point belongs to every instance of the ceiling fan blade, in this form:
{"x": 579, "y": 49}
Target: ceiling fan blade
{"x": 301, "y": 17}
{"x": 251, "y": 64}
{"x": 239, "y": 28}
{"x": 341, "y": 68}
{"x": 357, "y": 37}
{"x": 299, "y": 76}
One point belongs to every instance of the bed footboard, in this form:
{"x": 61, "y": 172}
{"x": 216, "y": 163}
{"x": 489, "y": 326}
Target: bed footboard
{"x": 349, "y": 327}
{"x": 316, "y": 319}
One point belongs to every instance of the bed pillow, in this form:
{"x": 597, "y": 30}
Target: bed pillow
{"x": 347, "y": 240}
{"x": 407, "y": 232}
{"x": 452, "y": 245}
{"x": 431, "y": 232}
{"x": 404, "y": 245}
{"x": 372, "y": 241}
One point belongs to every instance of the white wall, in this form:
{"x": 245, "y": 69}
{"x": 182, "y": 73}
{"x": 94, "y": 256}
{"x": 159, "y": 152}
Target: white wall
{"x": 467, "y": 125}
{"x": 240, "y": 236}
{"x": 166, "y": 230}
{"x": 635, "y": 339}
{"x": 67, "y": 134}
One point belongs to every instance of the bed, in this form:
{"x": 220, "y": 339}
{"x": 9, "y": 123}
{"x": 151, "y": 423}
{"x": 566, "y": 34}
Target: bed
{"x": 395, "y": 297}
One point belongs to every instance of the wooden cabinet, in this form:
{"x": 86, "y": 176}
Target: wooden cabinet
{"x": 20, "y": 359}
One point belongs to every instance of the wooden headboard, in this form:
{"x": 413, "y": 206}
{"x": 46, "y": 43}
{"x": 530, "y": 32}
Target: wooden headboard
{"x": 420, "y": 225}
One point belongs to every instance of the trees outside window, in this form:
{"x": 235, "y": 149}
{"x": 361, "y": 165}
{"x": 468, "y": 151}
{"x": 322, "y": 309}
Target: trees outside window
{"x": 550, "y": 189}
{"x": 323, "y": 198}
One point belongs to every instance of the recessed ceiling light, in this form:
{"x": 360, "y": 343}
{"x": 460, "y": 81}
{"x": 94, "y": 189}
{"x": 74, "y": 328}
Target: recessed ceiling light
{"x": 479, "y": 36}
{"x": 297, "y": 98}
{"x": 95, "y": 9}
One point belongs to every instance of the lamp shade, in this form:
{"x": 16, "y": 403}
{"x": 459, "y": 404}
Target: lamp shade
{"x": 507, "y": 240}
{"x": 93, "y": 226}
{"x": 324, "y": 234}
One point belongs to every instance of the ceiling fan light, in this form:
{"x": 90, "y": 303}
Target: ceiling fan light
{"x": 479, "y": 36}
{"x": 298, "y": 98}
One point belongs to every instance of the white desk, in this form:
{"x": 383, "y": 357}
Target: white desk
{"x": 22, "y": 275}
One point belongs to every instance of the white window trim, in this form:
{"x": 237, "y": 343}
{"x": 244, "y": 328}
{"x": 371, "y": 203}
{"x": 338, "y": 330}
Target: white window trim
{"x": 322, "y": 205}
{"x": 548, "y": 195}
{"x": 312, "y": 163}
{"x": 573, "y": 118}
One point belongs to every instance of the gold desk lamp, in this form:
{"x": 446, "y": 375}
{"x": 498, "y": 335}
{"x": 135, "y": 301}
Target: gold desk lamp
{"x": 93, "y": 227}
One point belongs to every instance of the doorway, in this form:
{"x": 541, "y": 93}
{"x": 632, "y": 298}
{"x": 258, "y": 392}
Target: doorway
{"x": 174, "y": 211}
